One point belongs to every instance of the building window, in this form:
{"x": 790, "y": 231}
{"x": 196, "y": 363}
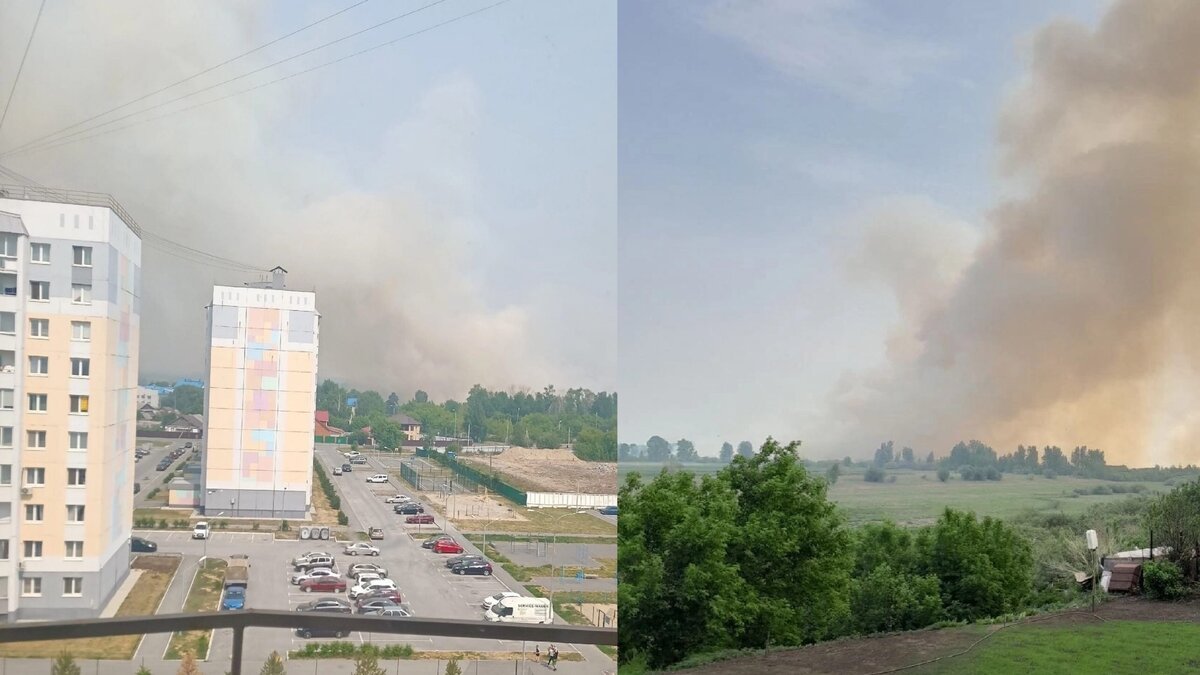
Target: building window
{"x": 81, "y": 294}
{"x": 4, "y": 549}
{"x": 39, "y": 290}
{"x": 75, "y": 513}
{"x": 76, "y": 477}
{"x": 81, "y": 330}
{"x": 83, "y": 256}
{"x": 74, "y": 550}
{"x": 6, "y": 399}
{"x": 79, "y": 404}
{"x": 34, "y": 513}
{"x": 36, "y": 439}
{"x": 35, "y": 476}
{"x": 39, "y": 253}
{"x": 39, "y": 365}
{"x": 5, "y": 511}
{"x": 78, "y": 440}
{"x": 81, "y": 367}
{"x": 37, "y": 403}
{"x": 33, "y": 549}
{"x": 6, "y": 437}
{"x": 5, "y": 474}
{"x": 8, "y": 245}
{"x": 8, "y": 323}
{"x": 72, "y": 587}
{"x": 39, "y": 328}
{"x": 31, "y": 587}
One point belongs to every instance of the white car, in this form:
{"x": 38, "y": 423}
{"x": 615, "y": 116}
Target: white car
{"x": 493, "y": 599}
{"x": 200, "y": 531}
{"x": 364, "y": 577}
{"x": 313, "y": 574}
{"x": 398, "y": 499}
{"x": 352, "y": 453}
{"x": 378, "y": 478}
{"x": 357, "y": 570}
{"x": 360, "y": 548}
{"x": 365, "y": 587}
{"x": 303, "y": 557}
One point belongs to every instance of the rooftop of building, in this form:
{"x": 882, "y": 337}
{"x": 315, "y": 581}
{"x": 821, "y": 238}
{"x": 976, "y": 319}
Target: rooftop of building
{"x": 76, "y": 197}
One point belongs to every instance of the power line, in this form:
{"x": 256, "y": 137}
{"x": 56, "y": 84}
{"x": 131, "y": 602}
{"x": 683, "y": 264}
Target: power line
{"x": 4, "y": 115}
{"x": 232, "y": 79}
{"x": 64, "y": 141}
{"x": 194, "y": 76}
{"x": 18, "y": 177}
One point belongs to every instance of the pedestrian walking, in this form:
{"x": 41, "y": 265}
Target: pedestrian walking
{"x": 552, "y": 657}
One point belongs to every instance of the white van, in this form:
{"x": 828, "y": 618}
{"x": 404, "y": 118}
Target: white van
{"x": 521, "y": 610}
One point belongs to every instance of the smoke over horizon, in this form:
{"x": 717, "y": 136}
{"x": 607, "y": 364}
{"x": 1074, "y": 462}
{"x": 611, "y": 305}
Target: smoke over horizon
{"x": 1072, "y": 320}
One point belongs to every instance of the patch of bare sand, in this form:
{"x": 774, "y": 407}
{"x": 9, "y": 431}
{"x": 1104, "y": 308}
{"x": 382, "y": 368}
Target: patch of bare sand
{"x": 545, "y": 470}
{"x": 472, "y": 507}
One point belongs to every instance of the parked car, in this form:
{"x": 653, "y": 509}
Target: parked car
{"x": 395, "y": 611}
{"x": 466, "y": 557}
{"x": 428, "y": 543}
{"x": 361, "y": 459}
{"x": 474, "y": 567}
{"x": 374, "y": 604}
{"x": 364, "y": 587}
{"x": 200, "y": 530}
{"x": 324, "y": 584}
{"x": 335, "y": 605}
{"x": 364, "y": 577}
{"x": 307, "y": 633}
{"x": 139, "y": 545}
{"x": 163, "y": 464}
{"x": 608, "y": 511}
{"x": 351, "y": 454}
{"x": 346, "y": 468}
{"x": 493, "y": 599}
{"x": 188, "y": 444}
{"x": 408, "y": 508}
{"x": 313, "y": 563}
{"x": 397, "y": 499}
{"x": 315, "y": 573}
{"x": 419, "y": 520}
{"x": 378, "y": 478}
{"x": 137, "y": 487}
{"x": 376, "y": 534}
{"x": 337, "y": 470}
{"x": 389, "y": 593}
{"x": 234, "y": 599}
{"x": 364, "y": 568}
{"x": 303, "y": 557}
{"x": 361, "y": 548}
{"x": 447, "y": 546}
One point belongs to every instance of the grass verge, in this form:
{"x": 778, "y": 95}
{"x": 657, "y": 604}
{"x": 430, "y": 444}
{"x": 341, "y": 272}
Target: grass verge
{"x": 203, "y": 596}
{"x": 562, "y": 539}
{"x": 541, "y": 521}
{"x": 349, "y": 650}
{"x": 606, "y": 570}
{"x": 565, "y": 602}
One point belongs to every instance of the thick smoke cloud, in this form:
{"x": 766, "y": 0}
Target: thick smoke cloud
{"x": 388, "y": 244}
{"x": 1075, "y": 320}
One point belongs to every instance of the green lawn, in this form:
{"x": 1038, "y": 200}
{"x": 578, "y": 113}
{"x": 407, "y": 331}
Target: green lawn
{"x": 1112, "y": 647}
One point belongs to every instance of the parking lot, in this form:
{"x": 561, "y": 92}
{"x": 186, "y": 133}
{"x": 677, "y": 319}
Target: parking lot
{"x": 146, "y": 469}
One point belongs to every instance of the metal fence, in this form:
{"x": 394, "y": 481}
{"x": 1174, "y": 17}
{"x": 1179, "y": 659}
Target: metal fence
{"x": 482, "y": 479}
{"x": 79, "y": 197}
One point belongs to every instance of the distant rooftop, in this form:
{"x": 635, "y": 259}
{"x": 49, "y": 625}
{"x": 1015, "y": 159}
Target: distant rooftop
{"x": 77, "y": 197}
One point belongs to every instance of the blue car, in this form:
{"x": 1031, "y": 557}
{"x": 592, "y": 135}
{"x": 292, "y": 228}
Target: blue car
{"x": 608, "y": 511}
{"x": 235, "y": 598}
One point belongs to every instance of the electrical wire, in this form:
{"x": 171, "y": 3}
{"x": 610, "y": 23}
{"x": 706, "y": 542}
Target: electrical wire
{"x": 11, "y": 92}
{"x": 156, "y": 106}
{"x": 194, "y": 76}
{"x": 260, "y": 86}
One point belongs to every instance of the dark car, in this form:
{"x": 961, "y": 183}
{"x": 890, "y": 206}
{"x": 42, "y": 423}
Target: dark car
{"x": 162, "y": 466}
{"x": 408, "y": 509}
{"x": 139, "y": 545}
{"x": 430, "y": 542}
{"x": 188, "y": 444}
{"x": 137, "y": 487}
{"x": 425, "y": 519}
{"x": 464, "y": 558}
{"x": 608, "y": 511}
{"x": 375, "y": 604}
{"x": 358, "y": 460}
{"x": 335, "y": 605}
{"x": 320, "y": 632}
{"x": 346, "y": 468}
{"x": 392, "y": 594}
{"x": 474, "y": 567}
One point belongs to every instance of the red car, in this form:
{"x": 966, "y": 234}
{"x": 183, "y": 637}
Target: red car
{"x": 324, "y": 585}
{"x": 447, "y": 546}
{"x": 423, "y": 519}
{"x": 392, "y": 594}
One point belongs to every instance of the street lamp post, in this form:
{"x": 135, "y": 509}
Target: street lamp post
{"x": 553, "y": 546}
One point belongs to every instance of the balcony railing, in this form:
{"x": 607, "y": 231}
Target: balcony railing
{"x": 258, "y": 618}
{"x": 69, "y": 197}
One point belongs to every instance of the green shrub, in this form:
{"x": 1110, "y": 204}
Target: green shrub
{"x": 255, "y": 527}
{"x": 886, "y": 600}
{"x": 874, "y": 474}
{"x": 163, "y": 524}
{"x": 284, "y": 526}
{"x": 342, "y": 519}
{"x": 943, "y": 474}
{"x": 1163, "y": 580}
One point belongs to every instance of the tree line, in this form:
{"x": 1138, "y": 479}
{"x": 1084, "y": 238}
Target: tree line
{"x": 659, "y": 449}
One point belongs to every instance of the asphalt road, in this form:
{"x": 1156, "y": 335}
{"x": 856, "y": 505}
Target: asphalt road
{"x": 146, "y": 469}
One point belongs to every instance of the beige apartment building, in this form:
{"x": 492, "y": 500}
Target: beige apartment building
{"x": 70, "y": 279}
{"x": 260, "y": 401}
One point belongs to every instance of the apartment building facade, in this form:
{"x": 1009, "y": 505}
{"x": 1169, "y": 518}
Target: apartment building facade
{"x": 70, "y": 278}
{"x": 259, "y": 402}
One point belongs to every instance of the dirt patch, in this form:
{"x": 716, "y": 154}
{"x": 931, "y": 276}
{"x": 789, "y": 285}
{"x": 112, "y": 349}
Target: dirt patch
{"x": 472, "y": 507}
{"x": 597, "y": 614}
{"x": 540, "y": 470}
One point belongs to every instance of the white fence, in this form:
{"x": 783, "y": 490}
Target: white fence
{"x": 568, "y": 500}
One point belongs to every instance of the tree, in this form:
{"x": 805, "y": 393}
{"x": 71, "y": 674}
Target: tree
{"x": 143, "y": 671}
{"x": 887, "y": 600}
{"x": 846, "y": 461}
{"x": 985, "y": 567}
{"x": 367, "y": 663}
{"x": 624, "y": 452}
{"x": 594, "y": 445}
{"x": 658, "y": 449}
{"x": 906, "y": 455}
{"x": 1174, "y": 518}
{"x": 188, "y": 665}
{"x": 832, "y": 473}
{"x": 273, "y": 666}
{"x": 884, "y": 454}
{"x": 929, "y": 458}
{"x": 393, "y": 403}
{"x": 64, "y": 664}
{"x": 685, "y": 451}
{"x": 420, "y": 397}
{"x": 874, "y": 474}
{"x": 387, "y": 433}
{"x": 943, "y": 474}
{"x": 726, "y": 452}
{"x": 745, "y": 449}
{"x": 452, "y": 667}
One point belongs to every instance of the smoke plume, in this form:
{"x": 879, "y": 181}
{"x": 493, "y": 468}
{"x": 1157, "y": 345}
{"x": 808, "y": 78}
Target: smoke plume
{"x": 1074, "y": 322}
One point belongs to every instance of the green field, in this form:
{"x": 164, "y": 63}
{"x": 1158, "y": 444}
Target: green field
{"x": 917, "y": 497}
{"x": 1112, "y": 647}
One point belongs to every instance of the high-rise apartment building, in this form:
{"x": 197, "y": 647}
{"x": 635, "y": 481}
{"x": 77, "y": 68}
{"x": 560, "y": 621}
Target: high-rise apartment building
{"x": 70, "y": 279}
{"x": 260, "y": 401}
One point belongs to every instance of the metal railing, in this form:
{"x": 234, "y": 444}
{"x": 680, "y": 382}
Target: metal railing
{"x": 77, "y": 197}
{"x": 258, "y": 618}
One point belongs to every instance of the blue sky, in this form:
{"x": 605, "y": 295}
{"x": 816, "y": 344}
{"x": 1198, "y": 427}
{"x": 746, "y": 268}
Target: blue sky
{"x": 759, "y": 142}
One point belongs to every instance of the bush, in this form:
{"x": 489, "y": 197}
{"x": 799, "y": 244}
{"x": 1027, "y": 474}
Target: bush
{"x": 1049, "y": 473}
{"x": 886, "y": 600}
{"x": 342, "y": 519}
{"x": 874, "y": 474}
{"x": 993, "y": 473}
{"x": 163, "y": 524}
{"x": 943, "y": 474}
{"x": 891, "y": 479}
{"x": 1163, "y": 580}
{"x": 255, "y": 527}
{"x": 284, "y": 526}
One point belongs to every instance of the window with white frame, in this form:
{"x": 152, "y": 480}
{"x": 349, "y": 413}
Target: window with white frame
{"x": 79, "y": 440}
{"x": 81, "y": 331}
{"x": 8, "y": 245}
{"x": 74, "y": 513}
{"x": 79, "y": 404}
{"x": 72, "y": 587}
{"x": 5, "y": 474}
{"x": 7, "y": 399}
{"x": 39, "y": 328}
{"x": 33, "y": 549}
{"x": 82, "y": 256}
{"x": 6, "y": 437}
{"x": 35, "y": 476}
{"x": 39, "y": 290}
{"x": 8, "y": 323}
{"x": 81, "y": 294}
{"x": 34, "y": 513}
{"x": 76, "y": 477}
{"x": 39, "y": 253}
{"x": 39, "y": 365}
{"x": 81, "y": 367}
{"x": 31, "y": 587}
{"x": 5, "y": 511}
{"x": 74, "y": 550}
{"x": 35, "y": 440}
{"x": 37, "y": 402}
{"x": 4, "y": 547}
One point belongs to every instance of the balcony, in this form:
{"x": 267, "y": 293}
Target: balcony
{"x": 9, "y": 266}
{"x": 255, "y": 618}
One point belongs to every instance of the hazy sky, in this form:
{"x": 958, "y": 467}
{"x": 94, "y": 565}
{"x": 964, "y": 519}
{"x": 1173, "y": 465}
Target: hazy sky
{"x": 794, "y": 178}
{"x": 451, "y": 198}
